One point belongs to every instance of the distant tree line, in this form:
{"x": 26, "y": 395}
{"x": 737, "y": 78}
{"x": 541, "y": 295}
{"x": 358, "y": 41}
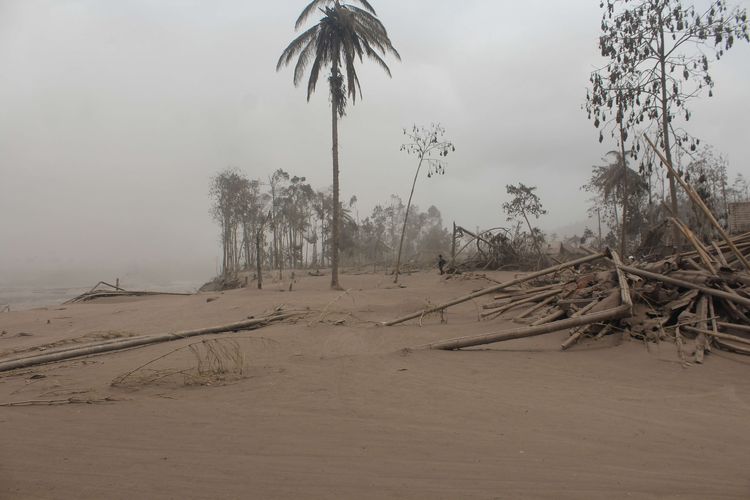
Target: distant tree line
{"x": 283, "y": 223}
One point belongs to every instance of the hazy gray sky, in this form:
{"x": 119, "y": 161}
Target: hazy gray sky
{"x": 115, "y": 114}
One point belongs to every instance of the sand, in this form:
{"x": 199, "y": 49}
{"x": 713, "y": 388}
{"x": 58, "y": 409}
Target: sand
{"x": 332, "y": 406}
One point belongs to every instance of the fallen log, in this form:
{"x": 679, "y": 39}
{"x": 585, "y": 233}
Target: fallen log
{"x": 250, "y": 324}
{"x": 530, "y": 331}
{"x": 495, "y": 288}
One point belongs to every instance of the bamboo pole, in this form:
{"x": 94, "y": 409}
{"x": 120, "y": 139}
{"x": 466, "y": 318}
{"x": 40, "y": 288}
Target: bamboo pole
{"x": 738, "y": 299}
{"x": 695, "y": 197}
{"x": 495, "y": 288}
{"x": 530, "y": 331}
{"x": 142, "y": 341}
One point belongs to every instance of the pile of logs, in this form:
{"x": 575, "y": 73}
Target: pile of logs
{"x": 702, "y": 296}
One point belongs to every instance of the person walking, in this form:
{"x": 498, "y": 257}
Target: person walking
{"x": 441, "y": 263}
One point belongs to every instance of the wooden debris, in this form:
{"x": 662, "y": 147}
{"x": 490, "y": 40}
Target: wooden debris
{"x": 701, "y": 298}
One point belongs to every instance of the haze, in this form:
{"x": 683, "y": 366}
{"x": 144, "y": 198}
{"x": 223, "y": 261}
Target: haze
{"x": 116, "y": 114}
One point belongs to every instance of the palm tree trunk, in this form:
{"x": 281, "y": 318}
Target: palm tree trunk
{"x": 335, "y": 153}
{"x": 406, "y": 218}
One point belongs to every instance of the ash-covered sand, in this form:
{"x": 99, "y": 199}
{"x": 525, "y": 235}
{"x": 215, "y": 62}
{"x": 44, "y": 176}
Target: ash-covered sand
{"x": 331, "y": 406}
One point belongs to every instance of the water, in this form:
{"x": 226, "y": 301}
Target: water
{"x": 20, "y": 298}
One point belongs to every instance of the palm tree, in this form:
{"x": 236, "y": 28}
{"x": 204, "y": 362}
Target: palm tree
{"x": 344, "y": 33}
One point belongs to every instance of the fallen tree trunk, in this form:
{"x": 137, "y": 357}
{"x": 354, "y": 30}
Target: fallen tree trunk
{"x": 495, "y": 288}
{"x": 141, "y": 341}
{"x": 531, "y": 331}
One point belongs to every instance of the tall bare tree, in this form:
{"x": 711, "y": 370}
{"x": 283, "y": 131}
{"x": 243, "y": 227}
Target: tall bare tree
{"x": 663, "y": 48}
{"x": 429, "y": 146}
{"x": 346, "y": 32}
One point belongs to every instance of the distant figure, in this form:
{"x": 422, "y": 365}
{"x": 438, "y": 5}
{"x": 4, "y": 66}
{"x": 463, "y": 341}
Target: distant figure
{"x": 441, "y": 263}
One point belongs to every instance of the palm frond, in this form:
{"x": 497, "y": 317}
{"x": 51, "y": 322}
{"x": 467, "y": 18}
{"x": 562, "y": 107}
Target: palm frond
{"x": 308, "y": 10}
{"x": 304, "y": 58}
{"x": 296, "y": 46}
{"x": 376, "y": 33}
{"x": 376, "y": 57}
